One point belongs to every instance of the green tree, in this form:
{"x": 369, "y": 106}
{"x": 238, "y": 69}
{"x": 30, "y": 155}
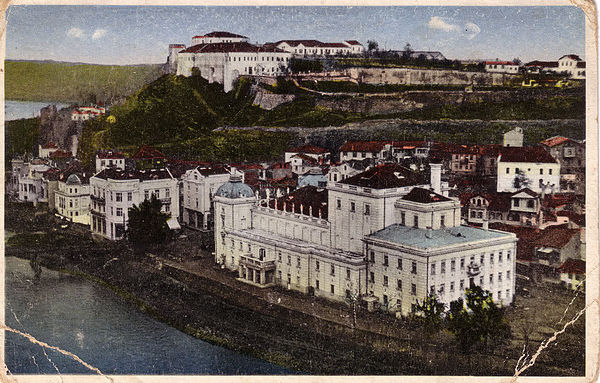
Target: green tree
{"x": 372, "y": 46}
{"x": 430, "y": 312}
{"x": 521, "y": 181}
{"x": 148, "y": 224}
{"x": 481, "y": 321}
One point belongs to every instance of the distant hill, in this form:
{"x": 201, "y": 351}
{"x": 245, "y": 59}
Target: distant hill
{"x": 75, "y": 82}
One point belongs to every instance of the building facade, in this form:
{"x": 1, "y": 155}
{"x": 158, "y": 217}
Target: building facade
{"x": 72, "y": 198}
{"x": 114, "y": 191}
{"x": 198, "y": 187}
{"x": 527, "y": 167}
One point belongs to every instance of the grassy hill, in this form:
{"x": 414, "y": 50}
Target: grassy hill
{"x": 68, "y": 82}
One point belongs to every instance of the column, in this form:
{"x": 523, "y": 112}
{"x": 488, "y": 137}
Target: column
{"x": 262, "y": 277}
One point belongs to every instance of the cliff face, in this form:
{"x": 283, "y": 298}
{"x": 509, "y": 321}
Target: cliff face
{"x": 56, "y": 126}
{"x": 268, "y": 101}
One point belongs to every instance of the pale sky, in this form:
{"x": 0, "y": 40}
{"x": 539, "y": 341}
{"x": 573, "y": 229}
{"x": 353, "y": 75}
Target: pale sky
{"x": 138, "y": 34}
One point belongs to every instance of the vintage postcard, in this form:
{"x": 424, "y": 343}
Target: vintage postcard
{"x": 361, "y": 191}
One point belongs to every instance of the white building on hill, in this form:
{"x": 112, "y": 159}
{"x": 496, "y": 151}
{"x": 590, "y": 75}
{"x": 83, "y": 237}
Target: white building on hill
{"x": 114, "y": 191}
{"x": 527, "y": 167}
{"x": 501, "y": 67}
{"x": 375, "y": 236}
{"x": 304, "y": 48}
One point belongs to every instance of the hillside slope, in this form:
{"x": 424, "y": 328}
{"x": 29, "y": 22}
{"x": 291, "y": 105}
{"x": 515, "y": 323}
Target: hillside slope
{"x": 79, "y": 83}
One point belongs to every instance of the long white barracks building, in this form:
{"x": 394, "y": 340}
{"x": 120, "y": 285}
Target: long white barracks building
{"x": 385, "y": 236}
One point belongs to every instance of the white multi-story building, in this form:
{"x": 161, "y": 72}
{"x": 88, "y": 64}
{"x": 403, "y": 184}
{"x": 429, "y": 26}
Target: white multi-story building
{"x": 318, "y": 48}
{"x": 114, "y": 191}
{"x": 373, "y": 236}
{"x": 31, "y": 184}
{"x": 527, "y": 167}
{"x": 573, "y": 65}
{"x": 72, "y": 198}
{"x": 84, "y": 113}
{"x": 223, "y": 62}
{"x": 109, "y": 159}
{"x": 501, "y": 67}
{"x": 198, "y": 187}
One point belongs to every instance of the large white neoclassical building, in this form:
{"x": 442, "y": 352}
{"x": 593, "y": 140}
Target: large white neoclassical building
{"x": 385, "y": 236}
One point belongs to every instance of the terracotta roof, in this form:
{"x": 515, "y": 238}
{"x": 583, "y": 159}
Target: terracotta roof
{"x": 455, "y": 148}
{"x": 307, "y": 149}
{"x": 109, "y": 154}
{"x": 230, "y": 47}
{"x": 499, "y": 63}
{"x": 535, "y": 154}
{"x": 280, "y": 165}
{"x": 60, "y": 154}
{"x": 306, "y": 43}
{"x": 223, "y": 34}
{"x": 147, "y": 152}
{"x": 557, "y": 140}
{"x": 490, "y": 150}
{"x": 544, "y": 64}
{"x": 364, "y": 146}
{"x": 353, "y": 42}
{"x": 50, "y": 145}
{"x": 573, "y": 266}
{"x": 52, "y": 174}
{"x": 305, "y": 198}
{"x": 334, "y": 45}
{"x": 572, "y": 57}
{"x": 143, "y": 175}
{"x": 555, "y": 237}
{"x": 306, "y": 158}
{"x": 424, "y": 196}
{"x": 386, "y": 176}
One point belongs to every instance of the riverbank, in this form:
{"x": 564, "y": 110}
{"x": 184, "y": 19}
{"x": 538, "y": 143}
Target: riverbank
{"x": 292, "y": 330}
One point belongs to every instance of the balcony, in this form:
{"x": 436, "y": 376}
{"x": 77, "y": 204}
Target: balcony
{"x": 256, "y": 263}
{"x": 100, "y": 200}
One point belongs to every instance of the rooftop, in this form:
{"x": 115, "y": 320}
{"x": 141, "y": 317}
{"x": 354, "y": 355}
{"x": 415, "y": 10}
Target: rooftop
{"x": 109, "y": 154}
{"x": 575, "y": 266}
{"x": 572, "y": 57}
{"x": 557, "y": 140}
{"x": 424, "y": 196}
{"x": 416, "y": 237}
{"x": 499, "y": 63}
{"x": 386, "y": 176}
{"x": 304, "y": 198}
{"x": 534, "y": 154}
{"x": 555, "y": 237}
{"x": 230, "y": 47}
{"x": 310, "y": 149}
{"x": 142, "y": 175}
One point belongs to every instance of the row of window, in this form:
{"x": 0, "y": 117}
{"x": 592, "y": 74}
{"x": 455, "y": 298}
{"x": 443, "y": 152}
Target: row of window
{"x": 118, "y": 196}
{"x": 517, "y": 171}
{"x": 441, "y": 290}
{"x": 366, "y": 207}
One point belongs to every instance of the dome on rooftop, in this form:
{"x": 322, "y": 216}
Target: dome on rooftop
{"x": 234, "y": 188}
{"x": 73, "y": 179}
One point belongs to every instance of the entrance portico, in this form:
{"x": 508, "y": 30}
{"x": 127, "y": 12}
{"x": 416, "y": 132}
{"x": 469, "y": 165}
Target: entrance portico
{"x": 256, "y": 271}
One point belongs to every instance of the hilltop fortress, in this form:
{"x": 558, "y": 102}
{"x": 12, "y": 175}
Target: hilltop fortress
{"x": 223, "y": 56}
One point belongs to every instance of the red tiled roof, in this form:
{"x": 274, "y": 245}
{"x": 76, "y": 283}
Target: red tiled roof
{"x": 60, "y": 154}
{"x": 306, "y": 158}
{"x": 424, "y": 196}
{"x": 224, "y": 34}
{"x": 557, "y": 140}
{"x": 306, "y": 43}
{"x": 490, "y": 150}
{"x": 353, "y": 42}
{"x": 543, "y": 64}
{"x": 364, "y": 146}
{"x": 109, "y": 154}
{"x": 305, "y": 198}
{"x": 535, "y": 154}
{"x": 334, "y": 45}
{"x": 144, "y": 175}
{"x": 50, "y": 145}
{"x": 307, "y": 149}
{"x": 572, "y": 57}
{"x": 574, "y": 266}
{"x": 499, "y": 63}
{"x": 386, "y": 176}
{"x": 555, "y": 237}
{"x": 230, "y": 47}
{"x": 148, "y": 152}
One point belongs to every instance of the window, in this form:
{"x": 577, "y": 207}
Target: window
{"x": 367, "y": 209}
{"x": 399, "y": 285}
{"x": 530, "y": 204}
{"x": 289, "y": 260}
{"x": 119, "y": 197}
{"x": 157, "y": 193}
{"x": 332, "y": 271}
{"x": 399, "y": 263}
{"x": 508, "y": 255}
{"x": 332, "y": 289}
{"x": 443, "y": 221}
{"x": 416, "y": 221}
{"x": 352, "y": 207}
{"x": 372, "y": 256}
{"x": 481, "y": 280}
{"x": 317, "y": 284}
{"x": 500, "y": 257}
{"x": 507, "y": 170}
{"x": 432, "y": 290}
{"x": 508, "y": 274}
{"x": 372, "y": 277}
{"x": 298, "y": 264}
{"x": 443, "y": 267}
{"x": 119, "y": 212}
{"x": 451, "y": 287}
{"x": 347, "y": 273}
{"x": 433, "y": 269}
{"x": 146, "y": 194}
{"x": 385, "y": 260}
{"x": 492, "y": 259}
{"x": 413, "y": 289}
{"x": 550, "y": 171}
{"x": 129, "y": 196}
{"x": 385, "y": 281}
{"x": 541, "y": 171}
{"x": 414, "y": 268}
{"x": 385, "y": 300}
{"x": 462, "y": 284}
{"x": 491, "y": 279}
{"x": 402, "y": 218}
{"x": 453, "y": 265}
{"x": 339, "y": 204}
{"x": 481, "y": 259}
{"x": 516, "y": 202}
{"x": 462, "y": 263}
{"x": 167, "y": 193}
{"x": 500, "y": 277}
{"x": 442, "y": 289}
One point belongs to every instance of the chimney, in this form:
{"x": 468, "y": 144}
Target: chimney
{"x": 436, "y": 177}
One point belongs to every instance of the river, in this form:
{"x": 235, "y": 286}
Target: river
{"x": 15, "y": 110}
{"x": 104, "y": 330}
